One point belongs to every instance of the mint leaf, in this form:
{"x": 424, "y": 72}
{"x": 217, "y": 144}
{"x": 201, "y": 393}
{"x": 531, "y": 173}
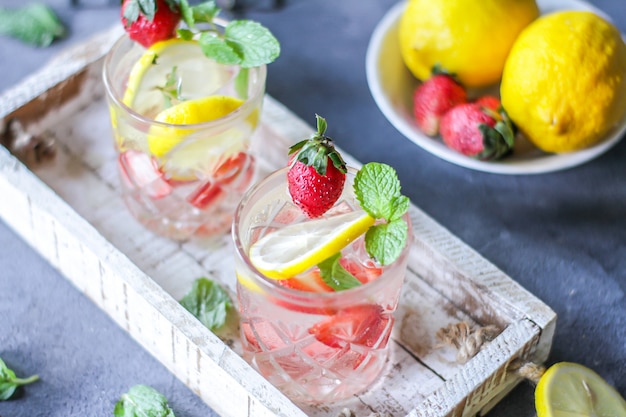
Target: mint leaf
{"x": 172, "y": 89}
{"x": 376, "y": 187}
{"x": 254, "y": 42}
{"x": 241, "y": 83}
{"x": 399, "y": 206}
{"x": 335, "y": 275}
{"x": 244, "y": 42}
{"x": 142, "y": 401}
{"x": 205, "y": 12}
{"x": 9, "y": 382}
{"x": 384, "y": 242}
{"x": 35, "y": 24}
{"x": 208, "y": 302}
{"x": 218, "y": 49}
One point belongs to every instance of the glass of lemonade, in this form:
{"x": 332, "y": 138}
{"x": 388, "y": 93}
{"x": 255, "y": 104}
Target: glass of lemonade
{"x": 182, "y": 126}
{"x": 314, "y": 343}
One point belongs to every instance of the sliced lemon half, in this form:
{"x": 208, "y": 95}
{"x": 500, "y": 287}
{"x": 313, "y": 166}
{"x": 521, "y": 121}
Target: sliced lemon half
{"x": 162, "y": 139}
{"x": 201, "y": 76}
{"x": 572, "y": 390}
{"x": 297, "y": 247}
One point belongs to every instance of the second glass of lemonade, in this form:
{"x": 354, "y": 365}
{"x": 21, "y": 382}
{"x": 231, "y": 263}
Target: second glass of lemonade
{"x": 312, "y": 342}
{"x": 183, "y": 126}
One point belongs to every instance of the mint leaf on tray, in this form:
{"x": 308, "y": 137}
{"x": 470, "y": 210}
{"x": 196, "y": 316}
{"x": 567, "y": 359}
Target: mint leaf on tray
{"x": 35, "y": 24}
{"x": 208, "y": 302}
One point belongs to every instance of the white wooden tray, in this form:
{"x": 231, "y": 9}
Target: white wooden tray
{"x": 71, "y": 212}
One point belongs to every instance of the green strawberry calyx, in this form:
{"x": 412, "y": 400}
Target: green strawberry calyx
{"x": 317, "y": 150}
{"x": 498, "y": 141}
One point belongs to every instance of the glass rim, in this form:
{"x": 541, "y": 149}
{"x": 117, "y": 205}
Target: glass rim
{"x": 294, "y": 294}
{"x": 246, "y": 107}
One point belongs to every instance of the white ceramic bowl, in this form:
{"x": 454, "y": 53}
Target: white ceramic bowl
{"x": 392, "y": 85}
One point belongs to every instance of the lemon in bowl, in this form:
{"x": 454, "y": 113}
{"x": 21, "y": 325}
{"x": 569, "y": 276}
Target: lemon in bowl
{"x": 564, "y": 81}
{"x": 469, "y": 39}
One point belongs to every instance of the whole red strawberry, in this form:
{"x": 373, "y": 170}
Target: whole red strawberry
{"x": 433, "y": 98}
{"x": 150, "y": 21}
{"x": 476, "y": 131}
{"x": 317, "y": 173}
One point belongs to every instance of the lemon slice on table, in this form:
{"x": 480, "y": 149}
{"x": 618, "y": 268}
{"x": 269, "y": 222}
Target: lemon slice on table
{"x": 295, "y": 248}
{"x": 572, "y": 390}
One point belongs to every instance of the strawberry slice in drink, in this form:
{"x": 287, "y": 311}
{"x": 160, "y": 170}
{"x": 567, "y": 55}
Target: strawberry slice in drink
{"x": 142, "y": 171}
{"x": 236, "y": 173}
{"x": 364, "y": 324}
{"x": 310, "y": 281}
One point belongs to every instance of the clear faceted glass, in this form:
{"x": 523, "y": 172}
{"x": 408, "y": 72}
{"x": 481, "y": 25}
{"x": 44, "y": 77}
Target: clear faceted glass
{"x": 316, "y": 347}
{"x": 189, "y": 189}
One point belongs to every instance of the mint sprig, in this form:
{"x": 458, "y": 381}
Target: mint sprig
{"x": 208, "y": 302}
{"x": 335, "y": 275}
{"x": 35, "y": 24}
{"x": 377, "y": 188}
{"x": 9, "y": 381}
{"x": 141, "y": 401}
{"x": 172, "y": 89}
{"x": 244, "y": 42}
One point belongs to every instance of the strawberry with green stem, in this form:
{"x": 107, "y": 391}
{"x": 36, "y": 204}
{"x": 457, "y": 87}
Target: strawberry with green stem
{"x": 478, "y": 131}
{"x": 150, "y": 21}
{"x": 243, "y": 42}
{"x": 317, "y": 173}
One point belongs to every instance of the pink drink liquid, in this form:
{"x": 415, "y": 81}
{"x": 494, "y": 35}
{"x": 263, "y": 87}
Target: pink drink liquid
{"x": 314, "y": 344}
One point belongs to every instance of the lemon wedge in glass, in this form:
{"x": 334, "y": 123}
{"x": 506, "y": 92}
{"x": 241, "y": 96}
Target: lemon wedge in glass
{"x": 572, "y": 390}
{"x": 162, "y": 139}
{"x": 297, "y": 247}
{"x": 201, "y": 76}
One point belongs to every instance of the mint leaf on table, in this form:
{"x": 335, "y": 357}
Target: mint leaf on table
{"x": 335, "y": 275}
{"x": 208, "y": 302}
{"x": 9, "y": 382}
{"x": 35, "y": 24}
{"x": 142, "y": 401}
{"x": 377, "y": 189}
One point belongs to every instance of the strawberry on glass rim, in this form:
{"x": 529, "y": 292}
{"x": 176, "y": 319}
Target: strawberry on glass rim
{"x": 317, "y": 172}
{"x": 150, "y": 21}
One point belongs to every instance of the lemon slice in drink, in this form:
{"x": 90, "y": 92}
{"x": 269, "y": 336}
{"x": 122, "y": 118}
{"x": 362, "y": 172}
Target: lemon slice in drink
{"x": 162, "y": 139}
{"x": 572, "y": 390}
{"x": 295, "y": 248}
{"x": 200, "y": 75}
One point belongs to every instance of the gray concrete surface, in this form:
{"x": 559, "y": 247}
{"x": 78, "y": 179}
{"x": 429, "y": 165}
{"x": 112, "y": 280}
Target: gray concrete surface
{"x": 561, "y": 235}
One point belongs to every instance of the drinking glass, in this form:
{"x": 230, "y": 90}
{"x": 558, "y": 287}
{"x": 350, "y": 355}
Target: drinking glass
{"x": 189, "y": 189}
{"x": 316, "y": 347}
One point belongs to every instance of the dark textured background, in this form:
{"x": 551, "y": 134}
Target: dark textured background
{"x": 561, "y": 235}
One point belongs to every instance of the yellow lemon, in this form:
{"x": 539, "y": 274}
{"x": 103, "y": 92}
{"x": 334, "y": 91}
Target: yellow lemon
{"x": 469, "y": 38}
{"x": 161, "y": 139}
{"x": 297, "y": 247}
{"x": 564, "y": 82}
{"x": 569, "y": 389}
